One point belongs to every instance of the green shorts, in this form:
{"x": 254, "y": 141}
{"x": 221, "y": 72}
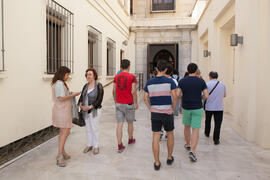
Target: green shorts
{"x": 192, "y": 118}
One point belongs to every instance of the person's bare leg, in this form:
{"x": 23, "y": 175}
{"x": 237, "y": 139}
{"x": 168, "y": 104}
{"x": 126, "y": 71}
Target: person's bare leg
{"x": 194, "y": 139}
{"x": 67, "y": 133}
{"x": 61, "y": 142}
{"x": 119, "y": 132}
{"x": 130, "y": 130}
{"x": 187, "y": 135}
{"x": 170, "y": 143}
{"x": 155, "y": 147}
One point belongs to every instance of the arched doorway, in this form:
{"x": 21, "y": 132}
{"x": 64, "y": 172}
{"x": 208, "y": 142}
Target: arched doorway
{"x": 155, "y": 52}
{"x": 163, "y": 55}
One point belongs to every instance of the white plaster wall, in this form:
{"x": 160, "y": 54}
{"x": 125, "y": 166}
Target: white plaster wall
{"x": 25, "y": 91}
{"x": 263, "y": 65}
{"x": 248, "y": 98}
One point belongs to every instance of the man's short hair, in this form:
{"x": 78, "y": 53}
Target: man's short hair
{"x": 161, "y": 65}
{"x": 125, "y": 63}
{"x": 192, "y": 68}
{"x": 175, "y": 71}
{"x": 169, "y": 70}
{"x": 213, "y": 75}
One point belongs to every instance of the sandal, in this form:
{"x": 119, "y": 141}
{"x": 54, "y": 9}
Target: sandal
{"x": 66, "y": 156}
{"x": 96, "y": 151}
{"x": 87, "y": 149}
{"x": 60, "y": 164}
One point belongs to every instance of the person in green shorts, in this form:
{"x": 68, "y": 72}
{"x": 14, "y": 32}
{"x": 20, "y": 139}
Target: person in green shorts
{"x": 191, "y": 89}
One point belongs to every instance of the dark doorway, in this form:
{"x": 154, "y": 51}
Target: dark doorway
{"x": 156, "y": 52}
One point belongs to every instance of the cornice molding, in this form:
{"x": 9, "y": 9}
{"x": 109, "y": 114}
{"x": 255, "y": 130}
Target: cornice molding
{"x": 175, "y": 27}
{"x": 110, "y": 19}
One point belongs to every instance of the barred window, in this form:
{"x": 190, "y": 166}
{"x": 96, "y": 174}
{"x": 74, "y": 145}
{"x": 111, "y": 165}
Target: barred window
{"x": 110, "y": 57}
{"x": 2, "y": 62}
{"x": 94, "y": 49}
{"x": 131, "y": 7}
{"x": 59, "y": 35}
{"x": 162, "y": 5}
{"x": 121, "y": 55}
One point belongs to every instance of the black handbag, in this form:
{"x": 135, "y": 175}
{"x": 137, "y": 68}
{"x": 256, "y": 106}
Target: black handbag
{"x": 79, "y": 121}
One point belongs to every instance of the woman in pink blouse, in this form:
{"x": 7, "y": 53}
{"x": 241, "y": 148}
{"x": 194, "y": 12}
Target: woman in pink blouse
{"x": 62, "y": 111}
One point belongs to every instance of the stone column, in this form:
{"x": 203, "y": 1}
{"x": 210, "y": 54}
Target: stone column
{"x": 141, "y": 58}
{"x": 185, "y": 46}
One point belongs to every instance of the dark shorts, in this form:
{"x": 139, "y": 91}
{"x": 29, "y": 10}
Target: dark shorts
{"x": 158, "y": 120}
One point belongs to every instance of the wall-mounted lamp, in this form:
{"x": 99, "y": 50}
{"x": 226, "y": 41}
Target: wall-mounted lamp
{"x": 206, "y": 53}
{"x": 125, "y": 42}
{"x": 235, "y": 40}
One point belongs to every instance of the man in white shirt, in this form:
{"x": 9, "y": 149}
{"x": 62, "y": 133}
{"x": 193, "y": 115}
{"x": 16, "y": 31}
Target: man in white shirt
{"x": 214, "y": 106}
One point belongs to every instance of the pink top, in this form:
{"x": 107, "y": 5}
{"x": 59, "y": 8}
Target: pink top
{"x": 62, "y": 110}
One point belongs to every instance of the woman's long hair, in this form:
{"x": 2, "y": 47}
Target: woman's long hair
{"x": 60, "y": 74}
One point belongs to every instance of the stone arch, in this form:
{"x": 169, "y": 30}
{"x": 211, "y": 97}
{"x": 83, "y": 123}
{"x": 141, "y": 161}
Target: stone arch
{"x": 165, "y": 55}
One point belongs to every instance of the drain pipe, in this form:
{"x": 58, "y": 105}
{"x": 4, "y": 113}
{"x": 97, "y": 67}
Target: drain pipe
{"x": 3, "y": 44}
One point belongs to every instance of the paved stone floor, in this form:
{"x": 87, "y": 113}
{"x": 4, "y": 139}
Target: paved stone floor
{"x": 233, "y": 159}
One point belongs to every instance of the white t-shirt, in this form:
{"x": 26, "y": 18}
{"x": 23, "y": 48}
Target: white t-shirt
{"x": 175, "y": 81}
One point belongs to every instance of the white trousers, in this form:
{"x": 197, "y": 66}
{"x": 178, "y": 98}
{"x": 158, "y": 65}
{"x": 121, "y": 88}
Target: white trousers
{"x": 92, "y": 129}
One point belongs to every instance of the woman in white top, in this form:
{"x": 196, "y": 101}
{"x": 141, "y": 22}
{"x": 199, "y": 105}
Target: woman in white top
{"x": 62, "y": 111}
{"x": 90, "y": 102}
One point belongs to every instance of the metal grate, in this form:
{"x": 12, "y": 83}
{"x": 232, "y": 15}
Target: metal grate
{"x": 110, "y": 57}
{"x": 162, "y": 5}
{"x": 131, "y": 7}
{"x": 2, "y": 62}
{"x": 140, "y": 84}
{"x": 17, "y": 148}
{"x": 94, "y": 49}
{"x": 60, "y": 37}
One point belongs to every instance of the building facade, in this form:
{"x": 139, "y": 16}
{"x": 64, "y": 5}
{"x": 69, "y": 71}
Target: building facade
{"x": 163, "y": 30}
{"x": 38, "y": 36}
{"x": 41, "y": 35}
{"x": 244, "y": 67}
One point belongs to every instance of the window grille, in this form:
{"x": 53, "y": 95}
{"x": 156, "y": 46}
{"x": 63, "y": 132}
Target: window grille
{"x": 59, "y": 35}
{"x": 94, "y": 49}
{"x": 2, "y": 62}
{"x": 162, "y": 5}
{"x": 121, "y": 55}
{"x": 122, "y": 52}
{"x": 110, "y": 57}
{"x": 131, "y": 7}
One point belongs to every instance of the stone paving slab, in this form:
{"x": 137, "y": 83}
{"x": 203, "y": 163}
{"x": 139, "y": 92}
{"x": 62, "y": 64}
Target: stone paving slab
{"x": 233, "y": 159}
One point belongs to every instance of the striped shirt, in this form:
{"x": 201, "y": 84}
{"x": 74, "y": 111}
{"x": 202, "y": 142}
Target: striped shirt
{"x": 159, "y": 90}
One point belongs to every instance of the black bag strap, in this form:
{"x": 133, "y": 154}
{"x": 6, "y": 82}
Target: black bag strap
{"x": 214, "y": 88}
{"x": 204, "y": 103}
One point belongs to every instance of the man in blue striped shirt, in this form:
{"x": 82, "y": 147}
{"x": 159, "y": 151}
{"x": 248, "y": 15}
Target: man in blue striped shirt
{"x": 161, "y": 97}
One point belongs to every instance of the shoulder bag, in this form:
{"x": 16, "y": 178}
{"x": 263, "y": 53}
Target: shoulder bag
{"x": 204, "y": 103}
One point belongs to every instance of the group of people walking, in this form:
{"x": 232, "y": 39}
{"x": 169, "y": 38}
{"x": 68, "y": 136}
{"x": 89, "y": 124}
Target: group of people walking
{"x": 165, "y": 96}
{"x": 161, "y": 96}
{"x": 90, "y": 100}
